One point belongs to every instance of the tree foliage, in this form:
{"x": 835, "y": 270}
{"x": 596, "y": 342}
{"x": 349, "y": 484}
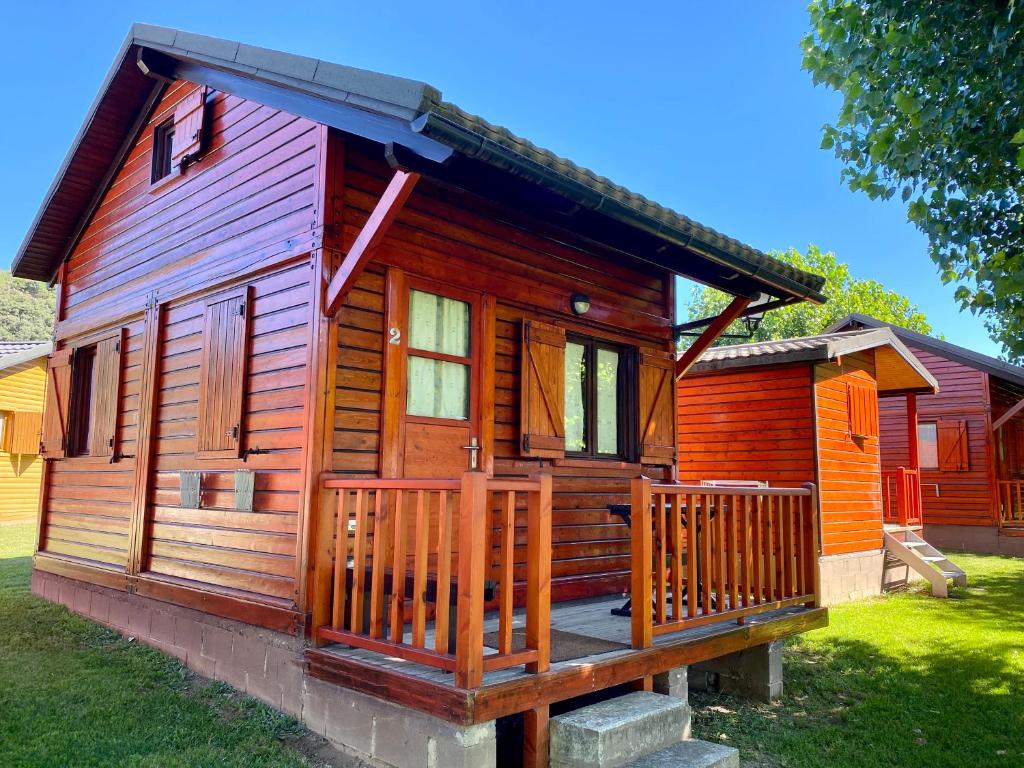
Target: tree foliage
{"x": 933, "y": 110}
{"x": 847, "y": 294}
{"x": 26, "y": 309}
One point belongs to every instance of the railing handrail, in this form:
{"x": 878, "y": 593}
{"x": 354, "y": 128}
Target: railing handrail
{"x": 704, "y": 490}
{"x": 390, "y": 484}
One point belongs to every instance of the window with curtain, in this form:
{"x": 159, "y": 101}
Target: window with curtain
{"x": 439, "y": 348}
{"x": 598, "y": 397}
{"x": 928, "y": 445}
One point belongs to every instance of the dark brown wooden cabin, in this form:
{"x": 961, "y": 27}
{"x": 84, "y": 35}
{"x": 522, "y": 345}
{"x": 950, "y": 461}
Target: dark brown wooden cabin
{"x": 970, "y": 447}
{"x": 779, "y": 412}
{"x": 337, "y": 360}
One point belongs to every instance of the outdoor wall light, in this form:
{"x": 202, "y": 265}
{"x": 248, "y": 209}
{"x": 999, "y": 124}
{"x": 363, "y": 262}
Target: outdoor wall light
{"x": 753, "y": 320}
{"x": 580, "y": 304}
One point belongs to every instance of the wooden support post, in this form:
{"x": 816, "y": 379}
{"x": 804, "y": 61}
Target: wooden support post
{"x": 640, "y": 563}
{"x": 473, "y": 550}
{"x": 535, "y": 737}
{"x": 373, "y": 232}
{"x": 713, "y": 331}
{"x": 912, "y": 439}
{"x": 538, "y": 574}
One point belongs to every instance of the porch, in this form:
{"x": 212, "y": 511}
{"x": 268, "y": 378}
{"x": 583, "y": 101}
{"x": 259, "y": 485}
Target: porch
{"x": 718, "y": 570}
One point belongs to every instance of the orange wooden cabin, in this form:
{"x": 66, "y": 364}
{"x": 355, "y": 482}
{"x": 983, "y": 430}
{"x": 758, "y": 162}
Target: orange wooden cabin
{"x": 970, "y": 447}
{"x": 778, "y": 412}
{"x": 345, "y": 380}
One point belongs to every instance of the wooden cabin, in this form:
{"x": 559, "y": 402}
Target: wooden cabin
{"x": 345, "y": 381}
{"x": 778, "y": 412}
{"x": 970, "y": 447}
{"x": 22, "y": 384}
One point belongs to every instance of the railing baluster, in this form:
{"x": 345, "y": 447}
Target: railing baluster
{"x": 659, "y": 554}
{"x": 676, "y": 528}
{"x": 721, "y": 554}
{"x": 444, "y": 572}
{"x": 505, "y": 571}
{"x": 757, "y": 536}
{"x": 692, "y": 556}
{"x": 705, "y": 554}
{"x": 340, "y": 559}
{"x": 801, "y": 573}
{"x": 770, "y": 560}
{"x": 398, "y": 569}
{"x": 748, "y": 555}
{"x": 359, "y": 560}
{"x": 733, "y": 551}
{"x": 419, "y": 578}
{"x": 380, "y": 548}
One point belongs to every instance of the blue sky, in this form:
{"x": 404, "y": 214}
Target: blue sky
{"x": 700, "y": 106}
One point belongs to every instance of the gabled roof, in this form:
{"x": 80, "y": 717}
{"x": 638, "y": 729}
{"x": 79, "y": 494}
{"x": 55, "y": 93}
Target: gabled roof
{"x": 14, "y": 353}
{"x": 390, "y": 110}
{"x": 991, "y": 365}
{"x": 897, "y": 370}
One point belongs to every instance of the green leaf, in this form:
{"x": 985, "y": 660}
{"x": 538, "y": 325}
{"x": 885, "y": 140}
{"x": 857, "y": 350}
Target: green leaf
{"x": 1018, "y": 137}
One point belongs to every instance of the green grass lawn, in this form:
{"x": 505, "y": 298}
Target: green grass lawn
{"x": 75, "y": 694}
{"x": 903, "y": 680}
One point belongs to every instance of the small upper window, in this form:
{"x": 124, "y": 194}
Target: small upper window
{"x": 596, "y": 395}
{"x": 438, "y": 383}
{"x": 928, "y": 445}
{"x": 163, "y": 146}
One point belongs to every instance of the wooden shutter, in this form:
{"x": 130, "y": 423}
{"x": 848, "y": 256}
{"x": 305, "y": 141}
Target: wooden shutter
{"x": 222, "y": 376}
{"x": 25, "y": 430}
{"x": 952, "y": 439}
{"x": 58, "y": 399}
{"x": 657, "y": 408}
{"x": 189, "y": 125}
{"x": 862, "y": 409}
{"x": 542, "y": 390}
{"x": 106, "y": 398}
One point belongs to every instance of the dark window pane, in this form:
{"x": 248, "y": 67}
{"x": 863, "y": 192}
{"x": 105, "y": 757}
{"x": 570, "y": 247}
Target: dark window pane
{"x": 575, "y": 397}
{"x": 437, "y": 388}
{"x": 438, "y": 324}
{"x": 607, "y": 373}
{"x": 928, "y": 445}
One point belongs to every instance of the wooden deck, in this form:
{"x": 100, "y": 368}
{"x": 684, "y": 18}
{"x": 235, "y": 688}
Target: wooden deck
{"x": 512, "y": 690}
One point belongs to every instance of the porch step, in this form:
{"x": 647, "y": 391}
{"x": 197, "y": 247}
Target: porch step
{"x": 691, "y": 754}
{"x": 615, "y": 732}
{"x": 907, "y": 546}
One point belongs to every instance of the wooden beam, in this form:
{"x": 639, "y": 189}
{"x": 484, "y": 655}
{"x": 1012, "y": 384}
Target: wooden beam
{"x": 371, "y": 235}
{"x": 713, "y": 331}
{"x": 1008, "y": 415}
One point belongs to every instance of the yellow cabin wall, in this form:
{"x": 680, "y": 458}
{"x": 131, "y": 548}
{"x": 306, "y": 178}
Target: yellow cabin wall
{"x": 22, "y": 388}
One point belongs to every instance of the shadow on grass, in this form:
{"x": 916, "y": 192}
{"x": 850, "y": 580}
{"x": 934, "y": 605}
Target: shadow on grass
{"x": 907, "y": 680}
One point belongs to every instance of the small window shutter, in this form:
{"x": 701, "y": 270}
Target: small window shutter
{"x": 862, "y": 409}
{"x": 188, "y": 129}
{"x": 542, "y": 390}
{"x": 58, "y": 399}
{"x": 657, "y": 408}
{"x": 107, "y": 397}
{"x": 25, "y": 432}
{"x": 222, "y": 377}
{"x": 952, "y": 439}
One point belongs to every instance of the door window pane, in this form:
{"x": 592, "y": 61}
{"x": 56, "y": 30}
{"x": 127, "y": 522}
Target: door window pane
{"x": 607, "y": 401}
{"x": 437, "y": 388}
{"x": 575, "y": 397}
{"x": 438, "y": 324}
{"x": 928, "y": 445}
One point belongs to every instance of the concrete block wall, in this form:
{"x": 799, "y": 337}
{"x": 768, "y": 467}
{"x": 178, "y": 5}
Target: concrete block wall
{"x": 975, "y": 538}
{"x": 270, "y": 666}
{"x": 858, "y": 575}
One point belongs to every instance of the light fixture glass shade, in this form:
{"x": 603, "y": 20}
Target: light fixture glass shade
{"x": 580, "y": 303}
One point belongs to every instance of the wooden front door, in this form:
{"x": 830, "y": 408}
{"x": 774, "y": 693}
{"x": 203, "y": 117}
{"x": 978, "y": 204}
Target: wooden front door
{"x": 433, "y": 371}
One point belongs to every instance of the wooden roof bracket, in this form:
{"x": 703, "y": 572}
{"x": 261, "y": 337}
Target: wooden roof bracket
{"x": 370, "y": 237}
{"x": 687, "y": 360}
{"x": 1008, "y": 415}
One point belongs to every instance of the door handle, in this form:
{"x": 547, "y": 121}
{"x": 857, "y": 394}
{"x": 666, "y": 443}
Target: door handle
{"x": 474, "y": 449}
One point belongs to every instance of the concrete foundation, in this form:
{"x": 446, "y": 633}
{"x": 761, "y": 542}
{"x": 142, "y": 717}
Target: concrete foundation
{"x": 269, "y": 666}
{"x": 754, "y": 673}
{"x": 975, "y": 538}
{"x": 857, "y": 575}
{"x": 675, "y": 683}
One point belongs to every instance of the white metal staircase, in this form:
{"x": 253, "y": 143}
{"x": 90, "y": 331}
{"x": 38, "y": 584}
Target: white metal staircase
{"x": 910, "y": 548}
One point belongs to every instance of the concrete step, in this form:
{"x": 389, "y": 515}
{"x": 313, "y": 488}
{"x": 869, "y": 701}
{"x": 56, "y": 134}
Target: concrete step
{"x": 613, "y": 733}
{"x": 691, "y": 754}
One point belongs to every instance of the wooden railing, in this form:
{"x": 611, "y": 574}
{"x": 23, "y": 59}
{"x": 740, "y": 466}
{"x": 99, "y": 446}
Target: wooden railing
{"x": 1011, "y": 503}
{"x": 408, "y": 551}
{"x": 904, "y": 506}
{"x": 702, "y": 555}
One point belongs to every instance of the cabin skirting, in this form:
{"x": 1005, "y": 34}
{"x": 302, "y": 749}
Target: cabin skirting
{"x": 857, "y": 575}
{"x": 976, "y": 538}
{"x": 269, "y": 666}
